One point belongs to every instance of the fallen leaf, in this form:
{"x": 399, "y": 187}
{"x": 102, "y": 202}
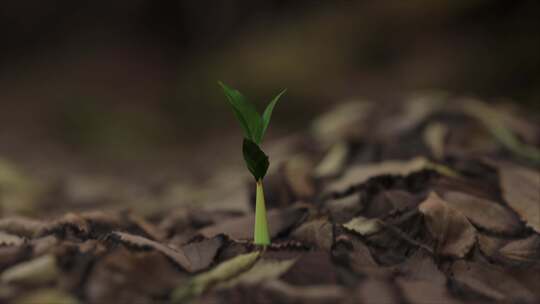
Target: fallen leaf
{"x": 318, "y": 232}
{"x": 523, "y": 251}
{"x": 364, "y": 226}
{"x": 55, "y": 296}
{"x": 490, "y": 245}
{"x": 297, "y": 172}
{"x": 316, "y": 294}
{"x": 21, "y": 226}
{"x": 220, "y": 273}
{"x": 434, "y": 136}
{"x": 376, "y": 291}
{"x": 425, "y": 292}
{"x": 344, "y": 209}
{"x": 201, "y": 254}
{"x": 279, "y": 220}
{"x": 491, "y": 282}
{"x": 179, "y": 257}
{"x": 333, "y": 162}
{"x": 263, "y": 270}
{"x": 521, "y": 191}
{"x": 361, "y": 173}
{"x": 453, "y": 233}
{"x": 313, "y": 267}
{"x": 10, "y": 239}
{"x": 40, "y": 270}
{"x": 484, "y": 213}
{"x": 389, "y": 201}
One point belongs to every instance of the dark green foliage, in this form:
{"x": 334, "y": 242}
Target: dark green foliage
{"x": 256, "y": 159}
{"x": 254, "y": 126}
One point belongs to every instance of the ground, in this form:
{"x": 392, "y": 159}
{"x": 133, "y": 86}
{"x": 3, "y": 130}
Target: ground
{"x": 436, "y": 200}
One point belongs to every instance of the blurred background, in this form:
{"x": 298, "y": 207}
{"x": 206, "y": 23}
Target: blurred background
{"x": 128, "y": 88}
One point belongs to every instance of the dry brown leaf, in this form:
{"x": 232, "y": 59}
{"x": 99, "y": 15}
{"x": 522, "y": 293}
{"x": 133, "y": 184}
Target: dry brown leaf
{"x": 69, "y": 221}
{"x": 344, "y": 209}
{"x": 179, "y": 257}
{"x": 297, "y": 171}
{"x": 201, "y": 254}
{"x": 454, "y": 234}
{"x": 521, "y": 191}
{"x": 334, "y": 160}
{"x": 41, "y": 270}
{"x": 10, "y": 239}
{"x": 263, "y": 270}
{"x": 524, "y": 251}
{"x": 491, "y": 282}
{"x": 484, "y": 213}
{"x": 490, "y": 245}
{"x": 376, "y": 291}
{"x": 364, "y": 226}
{"x": 434, "y": 137}
{"x": 241, "y": 228}
{"x": 315, "y": 294}
{"x": 389, "y": 201}
{"x": 21, "y": 226}
{"x": 315, "y": 265}
{"x": 318, "y": 232}
{"x": 425, "y": 292}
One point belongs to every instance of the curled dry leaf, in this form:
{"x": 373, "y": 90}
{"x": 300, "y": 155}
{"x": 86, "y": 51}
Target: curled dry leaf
{"x": 306, "y": 294}
{"x": 523, "y": 251}
{"x": 484, "y": 213}
{"x": 263, "y": 270}
{"x": 10, "y": 239}
{"x": 48, "y": 295}
{"x": 297, "y": 172}
{"x": 344, "y": 209}
{"x": 40, "y": 270}
{"x": 241, "y": 228}
{"x": 434, "y": 137}
{"x": 179, "y": 257}
{"x": 521, "y": 191}
{"x": 491, "y": 282}
{"x": 318, "y": 232}
{"x": 201, "y": 254}
{"x": 21, "y": 226}
{"x": 364, "y": 226}
{"x": 453, "y": 233}
{"x": 334, "y": 160}
{"x": 220, "y": 273}
{"x": 361, "y": 173}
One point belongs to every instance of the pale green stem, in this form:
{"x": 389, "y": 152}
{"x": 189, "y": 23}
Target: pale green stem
{"x": 261, "y": 235}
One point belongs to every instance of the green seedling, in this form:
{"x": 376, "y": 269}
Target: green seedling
{"x": 254, "y": 126}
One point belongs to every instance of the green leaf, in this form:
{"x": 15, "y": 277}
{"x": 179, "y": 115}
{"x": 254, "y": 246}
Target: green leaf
{"x": 256, "y": 160}
{"x": 265, "y": 121}
{"x": 245, "y": 112}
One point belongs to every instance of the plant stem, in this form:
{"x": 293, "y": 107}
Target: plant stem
{"x": 261, "y": 235}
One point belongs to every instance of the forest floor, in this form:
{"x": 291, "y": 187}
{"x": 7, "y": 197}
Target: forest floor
{"x": 434, "y": 201}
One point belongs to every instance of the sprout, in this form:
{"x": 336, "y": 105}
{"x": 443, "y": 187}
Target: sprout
{"x": 254, "y": 126}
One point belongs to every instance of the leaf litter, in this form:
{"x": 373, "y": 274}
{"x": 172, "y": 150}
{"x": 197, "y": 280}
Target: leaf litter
{"x": 436, "y": 201}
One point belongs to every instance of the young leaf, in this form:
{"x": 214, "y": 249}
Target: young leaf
{"x": 265, "y": 121}
{"x": 244, "y": 111}
{"x": 256, "y": 160}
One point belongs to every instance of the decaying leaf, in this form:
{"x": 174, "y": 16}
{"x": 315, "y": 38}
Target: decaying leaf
{"x": 178, "y": 256}
{"x": 425, "y": 292}
{"x": 364, "y": 226}
{"x": 10, "y": 239}
{"x": 523, "y": 251}
{"x": 220, "y": 273}
{"x": 334, "y": 160}
{"x": 491, "y": 282}
{"x": 21, "y": 226}
{"x": 263, "y": 270}
{"x": 377, "y": 291}
{"x": 297, "y": 171}
{"x": 242, "y": 228}
{"x": 521, "y": 191}
{"x": 344, "y": 209}
{"x": 307, "y": 294}
{"x": 201, "y": 254}
{"x": 40, "y": 270}
{"x": 434, "y": 136}
{"x": 454, "y": 234}
{"x": 315, "y": 265}
{"x": 51, "y": 295}
{"x": 484, "y": 213}
{"x": 345, "y": 122}
{"x": 318, "y": 232}
{"x": 361, "y": 173}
